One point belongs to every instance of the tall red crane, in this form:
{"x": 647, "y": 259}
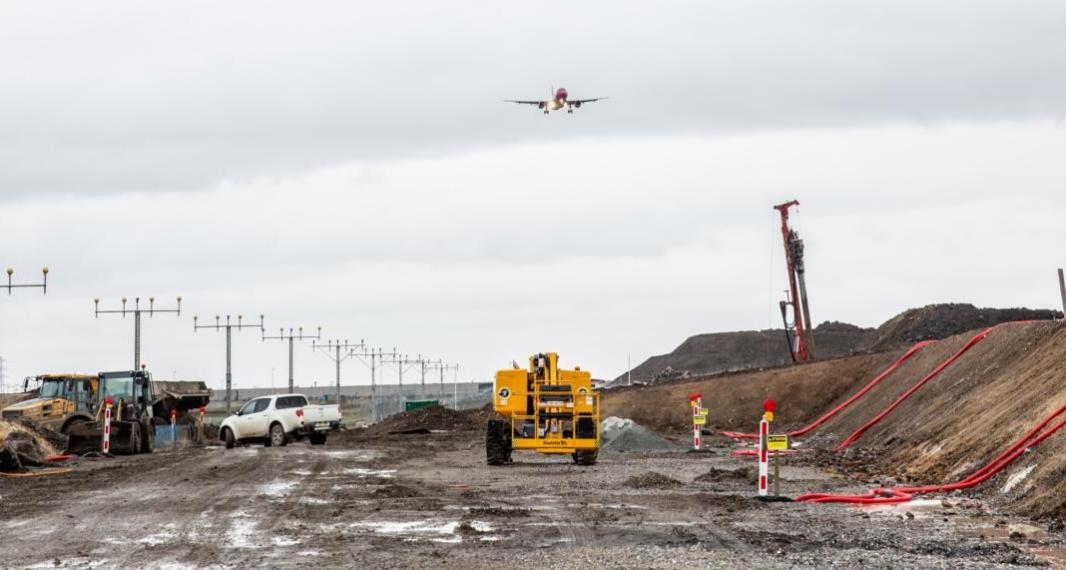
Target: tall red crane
{"x": 798, "y": 331}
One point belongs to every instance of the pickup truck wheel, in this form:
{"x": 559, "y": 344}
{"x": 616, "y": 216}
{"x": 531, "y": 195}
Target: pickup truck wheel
{"x": 498, "y": 442}
{"x": 277, "y": 436}
{"x": 227, "y": 436}
{"x": 317, "y": 438}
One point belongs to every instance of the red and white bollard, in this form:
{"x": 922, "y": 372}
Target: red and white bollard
{"x": 764, "y": 458}
{"x": 696, "y": 401}
{"x": 200, "y": 426}
{"x": 764, "y": 453}
{"x": 106, "y": 446}
{"x": 174, "y": 427}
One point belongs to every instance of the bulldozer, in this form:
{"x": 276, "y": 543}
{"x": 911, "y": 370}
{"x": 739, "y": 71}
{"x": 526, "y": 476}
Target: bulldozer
{"x": 62, "y": 400}
{"x": 132, "y": 428}
{"x": 544, "y": 409}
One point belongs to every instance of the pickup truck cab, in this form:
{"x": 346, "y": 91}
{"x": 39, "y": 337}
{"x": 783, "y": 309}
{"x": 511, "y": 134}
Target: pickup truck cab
{"x": 275, "y": 420}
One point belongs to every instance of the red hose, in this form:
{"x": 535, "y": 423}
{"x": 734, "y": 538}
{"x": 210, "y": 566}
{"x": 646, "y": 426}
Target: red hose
{"x": 990, "y": 469}
{"x": 935, "y": 372}
{"x": 884, "y": 374}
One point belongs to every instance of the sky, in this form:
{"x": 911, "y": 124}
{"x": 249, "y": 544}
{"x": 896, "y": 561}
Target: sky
{"x": 353, "y": 166}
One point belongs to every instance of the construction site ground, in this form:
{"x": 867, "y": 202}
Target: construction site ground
{"x": 371, "y": 499}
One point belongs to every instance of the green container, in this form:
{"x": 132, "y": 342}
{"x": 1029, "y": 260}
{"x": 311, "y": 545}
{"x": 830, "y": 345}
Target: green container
{"x": 413, "y": 405}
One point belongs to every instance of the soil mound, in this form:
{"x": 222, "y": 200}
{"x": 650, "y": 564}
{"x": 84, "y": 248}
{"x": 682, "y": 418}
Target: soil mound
{"x": 708, "y": 354}
{"x": 432, "y": 418}
{"x": 46, "y": 440}
{"x": 715, "y": 475}
{"x": 944, "y": 320}
{"x": 713, "y": 353}
{"x": 651, "y": 480}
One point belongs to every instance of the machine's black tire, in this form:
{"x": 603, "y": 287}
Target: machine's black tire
{"x": 148, "y": 437}
{"x": 277, "y": 436}
{"x": 71, "y": 423}
{"x": 585, "y": 456}
{"x": 317, "y": 438}
{"x": 498, "y": 442}
{"x": 227, "y": 437}
{"x": 135, "y": 438}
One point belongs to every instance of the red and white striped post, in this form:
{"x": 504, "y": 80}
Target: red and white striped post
{"x": 200, "y": 426}
{"x": 696, "y": 401}
{"x": 764, "y": 454}
{"x": 106, "y": 446}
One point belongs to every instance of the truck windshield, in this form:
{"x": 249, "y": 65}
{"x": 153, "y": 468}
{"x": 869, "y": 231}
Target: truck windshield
{"x": 119, "y": 388}
{"x": 52, "y": 389}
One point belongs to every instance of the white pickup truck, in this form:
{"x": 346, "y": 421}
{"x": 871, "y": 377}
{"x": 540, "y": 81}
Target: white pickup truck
{"x": 274, "y": 420}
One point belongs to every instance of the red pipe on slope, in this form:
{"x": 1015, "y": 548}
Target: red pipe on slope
{"x": 884, "y": 374}
{"x": 935, "y": 372}
{"x": 990, "y": 469}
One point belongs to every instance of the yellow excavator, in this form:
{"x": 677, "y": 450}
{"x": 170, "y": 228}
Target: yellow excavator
{"x": 62, "y": 401}
{"x": 544, "y": 409}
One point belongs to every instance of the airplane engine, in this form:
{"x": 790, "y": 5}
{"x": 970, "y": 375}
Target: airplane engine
{"x": 578, "y": 104}
{"x": 540, "y": 105}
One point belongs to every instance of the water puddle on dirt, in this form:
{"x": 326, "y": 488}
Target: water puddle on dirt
{"x": 449, "y": 532}
{"x": 360, "y": 472}
{"x": 918, "y": 508}
{"x": 1029, "y": 538}
{"x": 354, "y": 454}
{"x": 276, "y": 488}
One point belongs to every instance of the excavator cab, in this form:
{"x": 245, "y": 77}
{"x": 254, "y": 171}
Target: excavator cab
{"x": 132, "y": 430}
{"x": 544, "y": 409}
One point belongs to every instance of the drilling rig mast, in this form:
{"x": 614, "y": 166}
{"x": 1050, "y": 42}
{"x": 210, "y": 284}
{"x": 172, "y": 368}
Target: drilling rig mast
{"x": 799, "y": 331}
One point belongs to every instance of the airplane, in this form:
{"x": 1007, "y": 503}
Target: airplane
{"x": 560, "y": 100}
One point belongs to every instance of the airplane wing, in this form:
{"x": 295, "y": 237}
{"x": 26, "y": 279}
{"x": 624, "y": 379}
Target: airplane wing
{"x": 580, "y": 102}
{"x": 524, "y": 102}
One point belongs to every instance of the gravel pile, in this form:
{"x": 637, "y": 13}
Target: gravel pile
{"x": 625, "y": 436}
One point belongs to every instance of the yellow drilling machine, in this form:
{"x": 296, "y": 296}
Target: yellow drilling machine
{"x": 545, "y": 409}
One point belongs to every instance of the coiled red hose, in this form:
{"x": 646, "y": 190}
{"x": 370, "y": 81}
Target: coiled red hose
{"x": 869, "y": 386}
{"x": 990, "y": 469}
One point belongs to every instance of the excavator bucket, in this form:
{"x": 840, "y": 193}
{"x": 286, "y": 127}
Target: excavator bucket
{"x": 89, "y": 437}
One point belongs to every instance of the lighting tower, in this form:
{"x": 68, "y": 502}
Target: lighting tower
{"x": 291, "y": 337}
{"x": 229, "y": 326}
{"x": 43, "y": 284}
{"x": 136, "y": 312}
{"x": 337, "y": 346}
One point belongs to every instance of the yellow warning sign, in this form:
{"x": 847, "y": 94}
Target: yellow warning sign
{"x": 704, "y": 412}
{"x": 777, "y": 442}
{"x": 700, "y": 421}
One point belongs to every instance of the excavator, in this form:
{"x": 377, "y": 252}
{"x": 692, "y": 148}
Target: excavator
{"x": 544, "y": 409}
{"x": 132, "y": 429}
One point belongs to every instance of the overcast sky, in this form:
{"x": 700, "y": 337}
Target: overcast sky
{"x": 352, "y": 166}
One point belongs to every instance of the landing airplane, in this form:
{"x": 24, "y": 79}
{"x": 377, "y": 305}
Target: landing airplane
{"x": 560, "y": 100}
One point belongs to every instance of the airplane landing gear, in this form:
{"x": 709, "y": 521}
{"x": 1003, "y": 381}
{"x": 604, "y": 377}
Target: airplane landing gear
{"x": 570, "y": 111}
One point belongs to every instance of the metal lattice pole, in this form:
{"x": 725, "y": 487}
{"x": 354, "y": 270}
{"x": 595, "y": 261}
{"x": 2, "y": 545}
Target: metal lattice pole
{"x": 136, "y": 312}
{"x": 291, "y": 336}
{"x": 228, "y": 326}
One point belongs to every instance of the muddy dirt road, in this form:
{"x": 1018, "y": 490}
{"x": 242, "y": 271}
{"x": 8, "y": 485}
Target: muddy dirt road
{"x": 408, "y": 501}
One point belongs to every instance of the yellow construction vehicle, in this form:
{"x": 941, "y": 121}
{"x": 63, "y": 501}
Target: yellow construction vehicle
{"x": 545, "y": 409}
{"x": 62, "y": 401}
